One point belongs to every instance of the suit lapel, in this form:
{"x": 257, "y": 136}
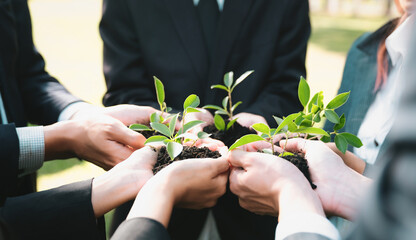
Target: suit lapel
{"x": 187, "y": 25}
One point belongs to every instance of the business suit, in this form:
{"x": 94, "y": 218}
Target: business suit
{"x": 141, "y": 229}
{"x": 60, "y": 213}
{"x": 163, "y": 38}
{"x": 29, "y": 93}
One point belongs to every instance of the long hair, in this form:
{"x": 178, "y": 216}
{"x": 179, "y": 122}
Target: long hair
{"x": 382, "y": 58}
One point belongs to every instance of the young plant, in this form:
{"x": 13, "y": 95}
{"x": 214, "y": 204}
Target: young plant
{"x": 227, "y": 105}
{"x": 305, "y": 123}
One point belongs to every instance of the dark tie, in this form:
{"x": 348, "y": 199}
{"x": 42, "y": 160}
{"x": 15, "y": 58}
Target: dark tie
{"x": 209, "y": 13}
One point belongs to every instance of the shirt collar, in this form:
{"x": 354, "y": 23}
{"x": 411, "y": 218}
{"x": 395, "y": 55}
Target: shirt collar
{"x": 397, "y": 42}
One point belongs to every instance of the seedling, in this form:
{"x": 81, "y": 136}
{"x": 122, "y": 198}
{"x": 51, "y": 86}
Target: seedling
{"x": 171, "y": 138}
{"x": 303, "y": 124}
{"x": 227, "y": 105}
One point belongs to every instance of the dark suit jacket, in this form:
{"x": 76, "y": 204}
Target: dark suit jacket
{"x": 141, "y": 229}
{"x": 60, "y": 213}
{"x": 29, "y": 93}
{"x": 164, "y": 38}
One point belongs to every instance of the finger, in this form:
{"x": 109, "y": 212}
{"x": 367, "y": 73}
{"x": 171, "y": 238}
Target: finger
{"x": 147, "y": 153}
{"x": 235, "y": 177}
{"x": 238, "y": 158}
{"x": 295, "y": 145}
{"x": 219, "y": 165}
{"x": 126, "y": 136}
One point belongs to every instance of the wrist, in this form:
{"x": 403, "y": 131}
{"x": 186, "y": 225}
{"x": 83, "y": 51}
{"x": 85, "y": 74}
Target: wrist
{"x": 59, "y": 140}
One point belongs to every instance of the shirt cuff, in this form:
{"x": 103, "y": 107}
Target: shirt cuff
{"x": 73, "y": 108}
{"x": 306, "y": 223}
{"x": 31, "y": 148}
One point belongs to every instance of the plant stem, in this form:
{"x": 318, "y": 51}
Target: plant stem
{"x": 230, "y": 103}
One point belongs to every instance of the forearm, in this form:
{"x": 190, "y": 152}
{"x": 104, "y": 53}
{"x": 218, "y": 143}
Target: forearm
{"x": 110, "y": 191}
{"x": 155, "y": 202}
{"x": 59, "y": 140}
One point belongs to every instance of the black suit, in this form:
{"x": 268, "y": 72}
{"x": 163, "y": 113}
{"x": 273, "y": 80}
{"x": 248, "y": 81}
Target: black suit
{"x": 164, "y": 38}
{"x": 141, "y": 229}
{"x": 29, "y": 92}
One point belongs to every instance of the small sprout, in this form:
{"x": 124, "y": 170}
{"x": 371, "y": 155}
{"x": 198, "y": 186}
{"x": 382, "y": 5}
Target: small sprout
{"x": 304, "y": 123}
{"x": 139, "y": 127}
{"x": 227, "y": 105}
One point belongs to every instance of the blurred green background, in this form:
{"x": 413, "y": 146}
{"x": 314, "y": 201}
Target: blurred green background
{"x": 66, "y": 33}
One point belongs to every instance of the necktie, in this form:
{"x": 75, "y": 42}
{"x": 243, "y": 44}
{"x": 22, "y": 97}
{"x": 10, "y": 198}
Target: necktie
{"x": 209, "y": 13}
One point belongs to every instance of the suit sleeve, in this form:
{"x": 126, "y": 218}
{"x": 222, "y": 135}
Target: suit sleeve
{"x": 126, "y": 77}
{"x": 279, "y": 95}
{"x": 141, "y": 229}
{"x": 61, "y": 213}
{"x": 43, "y": 96}
{"x": 9, "y": 160}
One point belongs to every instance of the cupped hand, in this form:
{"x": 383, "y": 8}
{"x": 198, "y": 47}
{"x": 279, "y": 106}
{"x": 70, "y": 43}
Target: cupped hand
{"x": 103, "y": 140}
{"x": 349, "y": 158}
{"x": 338, "y": 186}
{"x": 248, "y": 119}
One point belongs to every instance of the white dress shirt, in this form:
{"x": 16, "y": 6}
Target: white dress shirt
{"x": 382, "y": 112}
{"x": 220, "y": 3}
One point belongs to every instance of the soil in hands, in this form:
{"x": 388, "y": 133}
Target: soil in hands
{"x": 148, "y": 134}
{"x": 231, "y": 135}
{"x": 163, "y": 159}
{"x": 301, "y": 163}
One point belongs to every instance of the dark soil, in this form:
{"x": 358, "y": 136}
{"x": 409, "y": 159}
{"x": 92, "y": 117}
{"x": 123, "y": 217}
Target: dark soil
{"x": 163, "y": 159}
{"x": 148, "y": 134}
{"x": 230, "y": 136}
{"x": 301, "y": 164}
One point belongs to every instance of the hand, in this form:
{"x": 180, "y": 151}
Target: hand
{"x": 338, "y": 186}
{"x": 264, "y": 182}
{"x": 123, "y": 182}
{"x": 248, "y": 119}
{"x": 349, "y": 158}
{"x": 203, "y": 115}
{"x": 210, "y": 143}
{"x": 192, "y": 183}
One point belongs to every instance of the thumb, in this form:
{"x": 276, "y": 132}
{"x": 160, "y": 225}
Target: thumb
{"x": 126, "y": 136}
{"x": 218, "y": 166}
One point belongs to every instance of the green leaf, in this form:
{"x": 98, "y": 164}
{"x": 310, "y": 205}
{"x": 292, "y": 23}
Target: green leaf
{"x": 320, "y": 101}
{"x": 221, "y": 111}
{"x": 172, "y": 124}
{"x": 291, "y": 127}
{"x": 317, "y": 118}
{"x": 278, "y": 120}
{"x": 203, "y": 135}
{"x": 168, "y": 109}
{"x": 332, "y": 116}
{"x": 192, "y": 110}
{"x": 218, "y": 86}
{"x": 315, "y": 109}
{"x": 325, "y": 139}
{"x": 352, "y": 139}
{"x": 306, "y": 123}
{"x": 219, "y": 122}
{"x": 261, "y": 127}
{"x": 236, "y": 105}
{"x": 287, "y": 120}
{"x": 313, "y": 101}
{"x": 341, "y": 143}
{"x": 299, "y": 119}
{"x": 246, "y": 139}
{"x": 303, "y": 92}
{"x": 174, "y": 149}
{"x": 154, "y": 139}
{"x": 215, "y": 107}
{"x": 242, "y": 78}
{"x": 162, "y": 128}
{"x": 191, "y": 101}
{"x": 341, "y": 123}
{"x": 160, "y": 91}
{"x": 312, "y": 130}
{"x": 139, "y": 127}
{"x": 338, "y": 101}
{"x": 155, "y": 117}
{"x": 191, "y": 124}
{"x": 228, "y": 79}
{"x": 231, "y": 123}
{"x": 225, "y": 102}
{"x": 284, "y": 154}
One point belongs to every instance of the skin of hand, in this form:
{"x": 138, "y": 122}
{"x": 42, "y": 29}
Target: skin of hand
{"x": 192, "y": 183}
{"x": 266, "y": 184}
{"x": 248, "y": 119}
{"x": 349, "y": 158}
{"x": 100, "y": 139}
{"x": 339, "y": 187}
{"x": 123, "y": 182}
{"x": 203, "y": 115}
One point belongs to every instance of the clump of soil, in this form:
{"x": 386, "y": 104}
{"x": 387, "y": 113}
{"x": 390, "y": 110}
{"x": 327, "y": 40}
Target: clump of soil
{"x": 163, "y": 159}
{"x": 148, "y": 134}
{"x": 231, "y": 135}
{"x": 301, "y": 163}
